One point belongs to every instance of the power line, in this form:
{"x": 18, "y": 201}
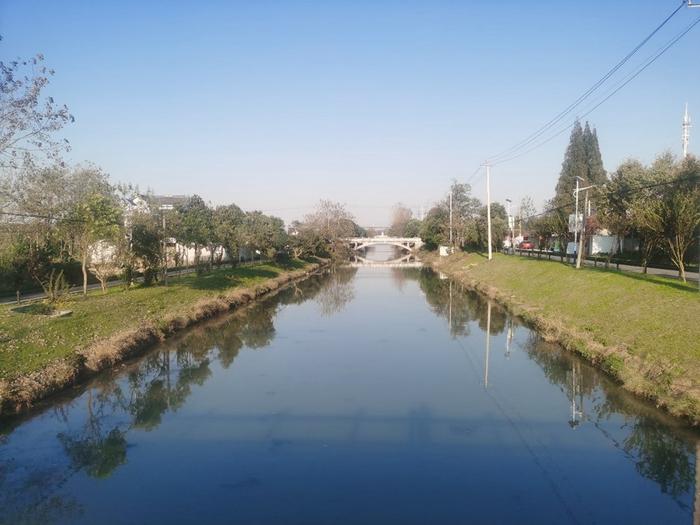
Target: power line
{"x": 533, "y": 136}
{"x": 626, "y": 80}
{"x": 627, "y": 192}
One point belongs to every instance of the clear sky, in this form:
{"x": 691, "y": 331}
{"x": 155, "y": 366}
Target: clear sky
{"x": 274, "y": 105}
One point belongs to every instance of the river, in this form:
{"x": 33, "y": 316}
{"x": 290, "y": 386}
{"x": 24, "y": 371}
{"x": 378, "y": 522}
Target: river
{"x": 365, "y": 395}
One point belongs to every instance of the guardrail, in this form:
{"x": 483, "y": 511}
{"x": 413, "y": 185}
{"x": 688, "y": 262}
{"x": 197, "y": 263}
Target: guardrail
{"x": 596, "y": 260}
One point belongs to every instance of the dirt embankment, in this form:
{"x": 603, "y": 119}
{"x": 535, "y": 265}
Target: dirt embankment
{"x": 651, "y": 379}
{"x": 21, "y": 393}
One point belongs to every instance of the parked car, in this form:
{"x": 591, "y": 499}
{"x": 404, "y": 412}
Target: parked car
{"x": 526, "y": 245}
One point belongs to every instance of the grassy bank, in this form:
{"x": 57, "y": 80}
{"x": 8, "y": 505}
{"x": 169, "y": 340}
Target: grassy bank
{"x": 41, "y": 354}
{"x": 643, "y": 330}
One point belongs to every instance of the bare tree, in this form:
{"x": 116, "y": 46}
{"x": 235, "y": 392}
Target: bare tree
{"x": 400, "y": 217}
{"x": 27, "y": 118}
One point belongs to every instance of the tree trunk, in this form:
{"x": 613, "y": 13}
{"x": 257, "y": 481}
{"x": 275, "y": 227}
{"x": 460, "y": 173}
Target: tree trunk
{"x": 85, "y": 275}
{"x": 677, "y": 256}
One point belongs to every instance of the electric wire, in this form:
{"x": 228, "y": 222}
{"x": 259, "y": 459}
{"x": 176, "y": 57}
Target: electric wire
{"x": 534, "y": 136}
{"x": 629, "y": 78}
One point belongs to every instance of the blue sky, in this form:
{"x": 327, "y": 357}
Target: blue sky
{"x": 274, "y": 105}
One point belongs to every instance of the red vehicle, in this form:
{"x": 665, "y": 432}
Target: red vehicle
{"x": 526, "y": 245}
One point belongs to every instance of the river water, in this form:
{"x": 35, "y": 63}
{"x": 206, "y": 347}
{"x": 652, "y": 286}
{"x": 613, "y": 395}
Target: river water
{"x": 366, "y": 395}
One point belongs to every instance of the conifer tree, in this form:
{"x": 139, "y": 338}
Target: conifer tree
{"x": 582, "y": 159}
{"x": 574, "y": 165}
{"x": 595, "y": 171}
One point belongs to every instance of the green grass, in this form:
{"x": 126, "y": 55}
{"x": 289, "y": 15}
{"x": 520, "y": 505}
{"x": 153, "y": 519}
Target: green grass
{"x": 654, "y": 318}
{"x": 30, "y": 340}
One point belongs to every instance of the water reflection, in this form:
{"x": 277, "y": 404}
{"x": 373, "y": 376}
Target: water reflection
{"x": 49, "y": 457}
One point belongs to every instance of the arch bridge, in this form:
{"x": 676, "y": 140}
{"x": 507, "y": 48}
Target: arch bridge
{"x": 408, "y": 244}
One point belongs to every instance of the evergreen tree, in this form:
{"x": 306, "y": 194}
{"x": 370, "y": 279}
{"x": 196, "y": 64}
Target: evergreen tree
{"x": 595, "y": 171}
{"x": 582, "y": 159}
{"x": 574, "y": 165}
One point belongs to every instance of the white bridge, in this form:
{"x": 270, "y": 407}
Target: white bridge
{"x": 409, "y": 244}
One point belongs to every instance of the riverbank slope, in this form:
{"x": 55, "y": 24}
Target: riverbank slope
{"x": 40, "y": 355}
{"x": 642, "y": 330}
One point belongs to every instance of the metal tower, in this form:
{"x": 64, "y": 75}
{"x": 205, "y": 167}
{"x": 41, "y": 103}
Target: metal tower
{"x": 686, "y": 131}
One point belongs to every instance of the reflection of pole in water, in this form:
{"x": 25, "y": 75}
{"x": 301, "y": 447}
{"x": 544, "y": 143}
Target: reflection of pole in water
{"x": 449, "y": 311}
{"x": 576, "y": 411}
{"x": 488, "y": 342}
{"x": 696, "y": 511}
{"x": 509, "y": 337}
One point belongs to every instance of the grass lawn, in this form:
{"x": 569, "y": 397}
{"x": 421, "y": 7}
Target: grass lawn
{"x": 30, "y": 340}
{"x": 656, "y": 319}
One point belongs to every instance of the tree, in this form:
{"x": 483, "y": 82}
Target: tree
{"x": 263, "y": 233}
{"x": 146, "y": 242}
{"x": 670, "y": 210}
{"x": 615, "y": 198}
{"x": 499, "y": 226}
{"x": 401, "y": 215}
{"x": 94, "y": 215}
{"x": 104, "y": 262}
{"x": 228, "y": 221}
{"x": 14, "y": 258}
{"x": 195, "y": 225}
{"x": 27, "y": 118}
{"x": 305, "y": 241}
{"x": 595, "y": 172}
{"x": 583, "y": 160}
{"x": 557, "y": 215}
{"x": 526, "y": 210}
{"x": 332, "y": 222}
{"x": 681, "y": 213}
{"x": 412, "y": 228}
{"x": 465, "y": 214}
{"x": 434, "y": 230}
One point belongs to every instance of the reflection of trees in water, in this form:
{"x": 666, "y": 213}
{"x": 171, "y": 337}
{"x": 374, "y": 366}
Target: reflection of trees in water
{"x": 458, "y": 305}
{"x": 337, "y": 291}
{"x": 660, "y": 448}
{"x": 158, "y": 383}
{"x": 400, "y": 276}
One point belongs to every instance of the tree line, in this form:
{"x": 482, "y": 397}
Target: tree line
{"x": 657, "y": 205}
{"x": 59, "y": 224}
{"x": 61, "y": 216}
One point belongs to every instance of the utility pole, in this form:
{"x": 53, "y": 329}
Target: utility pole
{"x": 163, "y": 209}
{"x": 450, "y": 219}
{"x": 583, "y": 226}
{"x": 488, "y": 204}
{"x": 576, "y": 212}
{"x": 511, "y": 223}
{"x": 685, "y": 137}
